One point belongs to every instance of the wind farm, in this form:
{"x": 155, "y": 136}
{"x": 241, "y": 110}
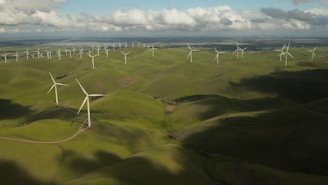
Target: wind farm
{"x": 164, "y": 119}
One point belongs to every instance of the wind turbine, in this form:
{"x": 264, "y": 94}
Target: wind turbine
{"x": 81, "y": 52}
{"x": 49, "y": 55}
{"x": 281, "y": 51}
{"x": 286, "y": 53}
{"x": 38, "y": 52}
{"x": 55, "y": 86}
{"x": 59, "y": 54}
{"x": 190, "y": 52}
{"x": 217, "y": 57}
{"x": 26, "y": 53}
{"x": 107, "y": 52}
{"x": 87, "y": 100}
{"x": 5, "y": 55}
{"x": 98, "y": 50}
{"x": 125, "y": 54}
{"x": 153, "y": 50}
{"x": 242, "y": 52}
{"x": 237, "y": 50}
{"x": 313, "y": 53}
{"x": 70, "y": 54}
{"x": 93, "y": 60}
{"x": 17, "y": 56}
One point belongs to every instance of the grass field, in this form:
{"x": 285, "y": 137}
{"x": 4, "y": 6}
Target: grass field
{"x": 250, "y": 121}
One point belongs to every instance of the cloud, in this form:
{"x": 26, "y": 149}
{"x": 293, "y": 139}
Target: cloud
{"x": 41, "y": 16}
{"x": 322, "y": 2}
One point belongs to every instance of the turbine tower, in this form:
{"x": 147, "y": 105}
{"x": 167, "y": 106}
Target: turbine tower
{"x": 153, "y": 50}
{"x": 125, "y": 54}
{"x": 242, "y": 52}
{"x": 237, "y": 50}
{"x": 286, "y": 54}
{"x": 107, "y": 52}
{"x": 217, "y": 57}
{"x": 190, "y": 52}
{"x": 54, "y": 86}
{"x": 5, "y": 55}
{"x": 59, "y": 54}
{"x": 17, "y": 56}
{"x": 313, "y": 53}
{"x": 81, "y": 52}
{"x": 87, "y": 100}
{"x": 281, "y": 51}
{"x": 93, "y": 60}
{"x": 26, "y": 53}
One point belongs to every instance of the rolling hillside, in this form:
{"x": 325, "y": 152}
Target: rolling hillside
{"x": 164, "y": 120}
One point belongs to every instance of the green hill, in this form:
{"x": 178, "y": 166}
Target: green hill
{"x": 165, "y": 120}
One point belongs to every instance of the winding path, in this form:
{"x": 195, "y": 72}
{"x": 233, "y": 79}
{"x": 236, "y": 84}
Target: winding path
{"x": 80, "y": 130}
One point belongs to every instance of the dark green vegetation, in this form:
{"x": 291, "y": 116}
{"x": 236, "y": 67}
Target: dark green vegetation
{"x": 249, "y": 121}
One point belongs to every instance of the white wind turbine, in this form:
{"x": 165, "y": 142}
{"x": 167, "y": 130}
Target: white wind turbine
{"x": 93, "y": 60}
{"x": 26, "y": 53}
{"x": 125, "y": 54}
{"x": 59, "y": 54}
{"x": 242, "y": 52}
{"x": 38, "y": 53}
{"x": 49, "y": 55}
{"x": 313, "y": 53}
{"x": 217, "y": 56}
{"x": 281, "y": 51}
{"x": 87, "y": 100}
{"x": 70, "y": 54}
{"x": 5, "y": 55}
{"x": 153, "y": 50}
{"x": 81, "y": 52}
{"x": 98, "y": 50}
{"x": 286, "y": 54}
{"x": 17, "y": 56}
{"x": 190, "y": 52}
{"x": 54, "y": 86}
{"x": 237, "y": 50}
{"x": 107, "y": 52}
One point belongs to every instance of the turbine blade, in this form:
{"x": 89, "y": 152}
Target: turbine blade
{"x": 51, "y": 88}
{"x": 61, "y": 84}
{"x": 290, "y": 55}
{"x": 85, "y": 92}
{"x": 84, "y": 101}
{"x": 190, "y": 53}
{"x": 52, "y": 77}
{"x": 96, "y": 95}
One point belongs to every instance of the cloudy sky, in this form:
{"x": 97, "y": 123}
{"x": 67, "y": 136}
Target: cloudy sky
{"x": 164, "y": 17}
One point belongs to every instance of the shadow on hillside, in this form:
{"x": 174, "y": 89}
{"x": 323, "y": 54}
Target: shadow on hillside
{"x": 101, "y": 159}
{"x": 143, "y": 171}
{"x": 299, "y": 86}
{"x": 288, "y": 138}
{"x": 10, "y": 110}
{"x": 11, "y": 174}
{"x": 54, "y": 113}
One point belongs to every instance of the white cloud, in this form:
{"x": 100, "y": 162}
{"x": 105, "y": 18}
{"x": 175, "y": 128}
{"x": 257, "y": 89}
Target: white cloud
{"x": 24, "y": 16}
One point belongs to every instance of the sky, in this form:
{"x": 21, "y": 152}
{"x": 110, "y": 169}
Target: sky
{"x": 220, "y": 18}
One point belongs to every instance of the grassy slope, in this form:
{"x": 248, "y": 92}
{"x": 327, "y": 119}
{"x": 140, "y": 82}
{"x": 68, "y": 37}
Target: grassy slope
{"x": 129, "y": 138}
